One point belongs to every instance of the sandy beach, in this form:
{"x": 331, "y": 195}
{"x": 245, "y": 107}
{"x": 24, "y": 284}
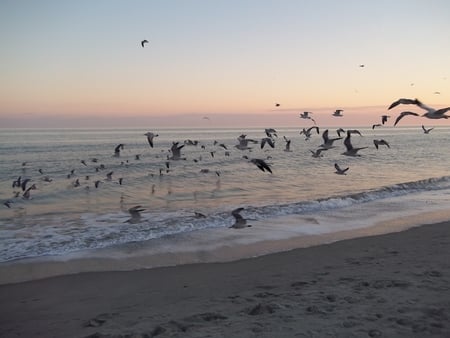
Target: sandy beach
{"x": 393, "y": 285}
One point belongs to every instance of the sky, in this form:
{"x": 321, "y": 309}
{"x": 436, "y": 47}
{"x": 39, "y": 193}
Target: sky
{"x": 81, "y": 64}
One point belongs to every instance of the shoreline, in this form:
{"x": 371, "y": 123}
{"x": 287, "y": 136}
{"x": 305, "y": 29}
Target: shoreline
{"x": 395, "y": 284}
{"x": 218, "y": 245}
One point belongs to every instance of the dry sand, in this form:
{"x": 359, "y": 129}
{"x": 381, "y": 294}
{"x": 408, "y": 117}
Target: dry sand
{"x": 394, "y": 285}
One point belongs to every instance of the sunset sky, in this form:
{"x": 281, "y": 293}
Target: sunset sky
{"x": 80, "y": 63}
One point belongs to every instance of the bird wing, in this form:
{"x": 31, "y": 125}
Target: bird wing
{"x": 347, "y": 142}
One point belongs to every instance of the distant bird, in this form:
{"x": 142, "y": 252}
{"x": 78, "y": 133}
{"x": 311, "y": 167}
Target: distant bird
{"x": 377, "y": 143}
{"x": 270, "y": 132}
{"x": 199, "y": 215}
{"x": 143, "y": 42}
{"x": 261, "y": 164}
{"x": 425, "y": 130}
{"x": 384, "y": 118}
{"x": 240, "y": 222}
{"x": 307, "y": 132}
{"x": 288, "y": 144}
{"x": 306, "y": 115}
{"x": 351, "y": 151}
{"x": 354, "y": 131}
{"x": 117, "y": 149}
{"x": 27, "y": 194}
{"x": 339, "y": 170}
{"x": 340, "y": 131}
{"x": 376, "y": 125}
{"x": 338, "y": 113}
{"x": 243, "y": 142}
{"x": 267, "y": 140}
{"x": 83, "y": 162}
{"x": 403, "y": 101}
{"x": 402, "y": 115}
{"x": 318, "y": 152}
{"x": 135, "y": 213}
{"x": 361, "y": 66}
{"x": 176, "y": 151}
{"x": 328, "y": 142}
{"x": 150, "y": 137}
{"x": 277, "y": 104}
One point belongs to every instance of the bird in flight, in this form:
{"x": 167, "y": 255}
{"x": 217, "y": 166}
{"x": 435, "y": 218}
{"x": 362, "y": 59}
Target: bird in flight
{"x": 425, "y": 130}
{"x": 403, "y": 114}
{"x": 143, "y": 42}
{"x": 339, "y": 170}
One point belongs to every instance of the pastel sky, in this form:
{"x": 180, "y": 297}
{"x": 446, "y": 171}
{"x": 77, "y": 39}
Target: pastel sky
{"x": 80, "y": 63}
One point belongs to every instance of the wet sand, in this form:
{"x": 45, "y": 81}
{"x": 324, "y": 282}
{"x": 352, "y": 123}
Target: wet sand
{"x": 392, "y": 285}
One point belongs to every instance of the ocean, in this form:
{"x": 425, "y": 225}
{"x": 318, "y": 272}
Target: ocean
{"x": 186, "y": 204}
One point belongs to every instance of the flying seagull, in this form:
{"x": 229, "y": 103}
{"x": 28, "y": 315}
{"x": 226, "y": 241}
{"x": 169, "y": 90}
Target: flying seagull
{"x": 403, "y": 101}
{"x": 403, "y": 114}
{"x": 380, "y": 142}
{"x": 240, "y": 222}
{"x": 338, "y": 113}
{"x": 351, "y": 151}
{"x": 261, "y": 164}
{"x": 135, "y": 213}
{"x": 143, "y": 42}
{"x": 425, "y": 130}
{"x": 150, "y": 137}
{"x": 339, "y": 170}
{"x": 328, "y": 142}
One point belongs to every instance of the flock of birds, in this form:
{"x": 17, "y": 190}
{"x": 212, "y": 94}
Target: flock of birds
{"x": 25, "y": 185}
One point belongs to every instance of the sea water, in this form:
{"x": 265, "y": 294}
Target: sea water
{"x": 67, "y": 214}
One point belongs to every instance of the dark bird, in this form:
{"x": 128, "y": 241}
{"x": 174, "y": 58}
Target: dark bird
{"x": 351, "y": 151}
{"x": 384, "y": 118}
{"x": 288, "y": 144}
{"x": 176, "y": 151}
{"x": 340, "y": 131}
{"x": 376, "y": 125}
{"x": 425, "y": 130}
{"x": 307, "y": 132}
{"x": 402, "y": 115}
{"x": 150, "y": 137}
{"x": 117, "y": 149}
{"x": 267, "y": 140}
{"x": 277, "y": 104}
{"x": 135, "y": 213}
{"x": 143, "y": 42}
{"x": 240, "y": 222}
{"x": 261, "y": 164}
{"x": 338, "y": 113}
{"x": 328, "y": 142}
{"x": 403, "y": 101}
{"x": 339, "y": 170}
{"x": 378, "y": 143}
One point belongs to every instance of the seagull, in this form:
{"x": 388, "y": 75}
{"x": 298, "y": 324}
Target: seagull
{"x": 270, "y": 131}
{"x": 26, "y": 194}
{"x": 243, "y": 142}
{"x": 117, "y": 149}
{"x": 404, "y": 101}
{"x": 288, "y": 144}
{"x": 307, "y": 132}
{"x": 261, "y": 164}
{"x": 380, "y": 142}
{"x": 384, "y": 118}
{"x": 240, "y": 222}
{"x": 340, "y": 171}
{"x": 150, "y": 137}
{"x": 376, "y": 125}
{"x": 176, "y": 151}
{"x": 318, "y": 152}
{"x": 339, "y": 131}
{"x": 277, "y": 104}
{"x": 135, "y": 213}
{"x": 267, "y": 140}
{"x": 328, "y": 142}
{"x": 338, "y": 113}
{"x": 305, "y": 115}
{"x": 425, "y": 130}
{"x": 351, "y": 151}
{"x": 434, "y": 113}
{"x": 403, "y": 114}
{"x": 143, "y": 42}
